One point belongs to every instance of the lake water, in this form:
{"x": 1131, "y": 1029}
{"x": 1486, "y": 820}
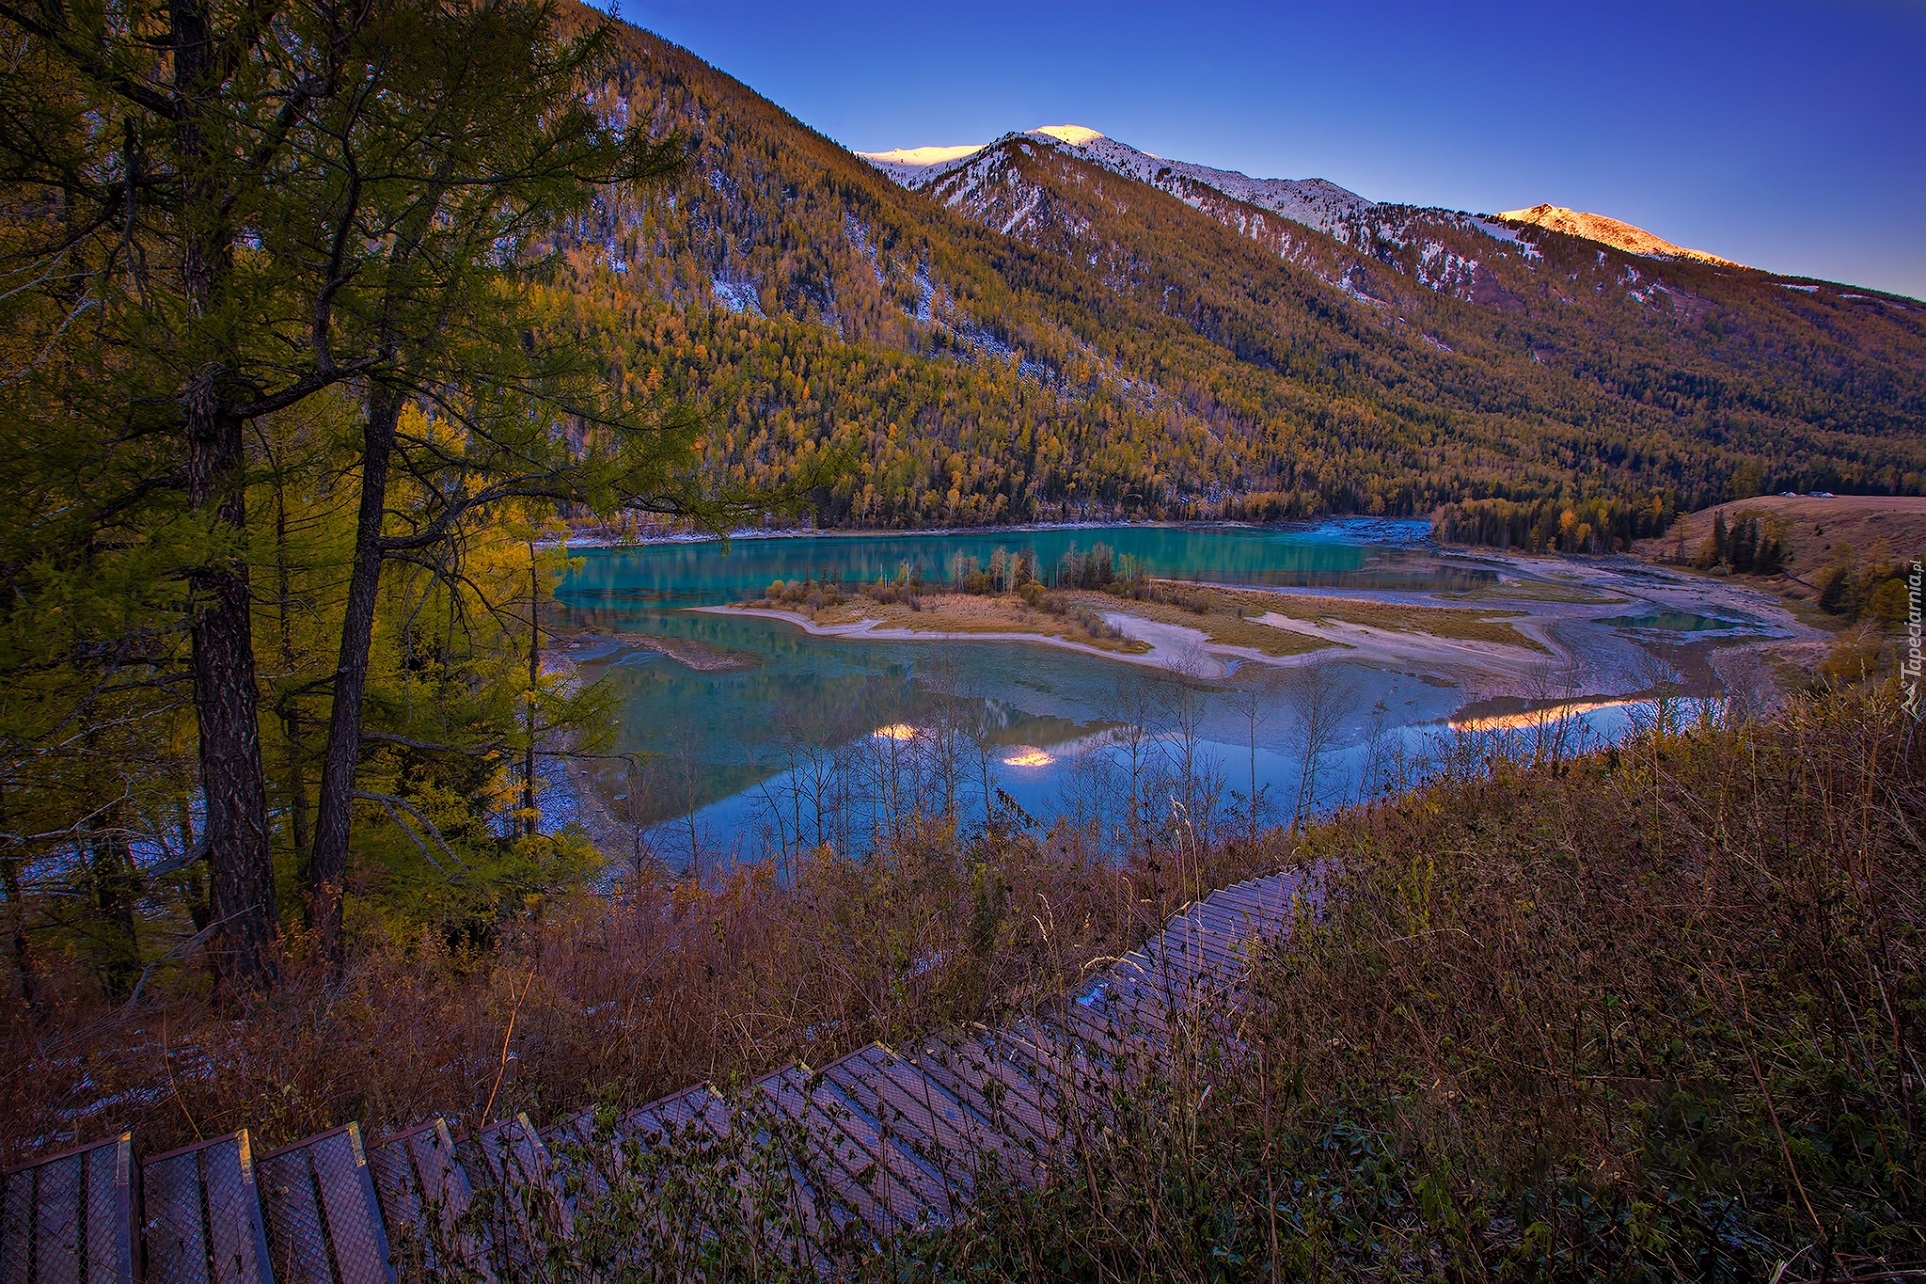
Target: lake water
{"x": 1365, "y": 554}
{"x": 739, "y": 734}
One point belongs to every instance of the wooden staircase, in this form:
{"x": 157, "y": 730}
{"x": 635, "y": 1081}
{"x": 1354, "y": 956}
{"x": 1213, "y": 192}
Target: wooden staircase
{"x": 879, "y": 1141}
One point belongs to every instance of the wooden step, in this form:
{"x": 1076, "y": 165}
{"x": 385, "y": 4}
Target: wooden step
{"x": 71, "y": 1217}
{"x": 979, "y": 1070}
{"x": 424, "y": 1194}
{"x": 509, "y": 1163}
{"x": 203, "y": 1215}
{"x": 875, "y": 1142}
{"x": 945, "y": 1135}
{"x": 903, "y": 1193}
{"x": 323, "y": 1217}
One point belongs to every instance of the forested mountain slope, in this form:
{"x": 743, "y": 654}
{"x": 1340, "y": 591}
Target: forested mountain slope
{"x": 1036, "y": 335}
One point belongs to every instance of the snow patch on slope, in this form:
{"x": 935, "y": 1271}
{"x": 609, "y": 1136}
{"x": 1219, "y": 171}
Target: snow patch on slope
{"x": 1314, "y": 202}
{"x": 737, "y": 296}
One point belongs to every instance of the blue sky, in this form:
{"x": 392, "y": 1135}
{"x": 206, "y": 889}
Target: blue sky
{"x": 1791, "y": 136}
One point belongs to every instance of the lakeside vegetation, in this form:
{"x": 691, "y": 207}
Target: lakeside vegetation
{"x": 1849, "y": 559}
{"x": 1654, "y": 1013}
{"x": 1651, "y": 1011}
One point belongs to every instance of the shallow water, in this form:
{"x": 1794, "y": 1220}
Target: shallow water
{"x": 780, "y": 736}
{"x": 1672, "y": 622}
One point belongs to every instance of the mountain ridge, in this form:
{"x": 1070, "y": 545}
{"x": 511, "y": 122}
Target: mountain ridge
{"x": 1045, "y": 338}
{"x": 1609, "y": 231}
{"x": 1315, "y": 202}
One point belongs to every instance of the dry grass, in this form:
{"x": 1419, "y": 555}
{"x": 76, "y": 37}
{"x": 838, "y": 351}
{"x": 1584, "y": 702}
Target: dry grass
{"x": 626, "y": 998}
{"x": 1225, "y": 611}
{"x": 1655, "y": 1014}
{"x": 1453, "y": 623}
{"x": 1570, "y": 594}
{"x": 1220, "y": 622}
{"x": 1817, "y": 528}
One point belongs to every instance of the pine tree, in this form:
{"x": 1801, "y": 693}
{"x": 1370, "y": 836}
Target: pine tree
{"x": 146, "y": 145}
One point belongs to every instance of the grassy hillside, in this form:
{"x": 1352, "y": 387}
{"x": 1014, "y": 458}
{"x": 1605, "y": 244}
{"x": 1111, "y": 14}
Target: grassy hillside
{"x": 1816, "y": 529}
{"x": 1655, "y": 1014}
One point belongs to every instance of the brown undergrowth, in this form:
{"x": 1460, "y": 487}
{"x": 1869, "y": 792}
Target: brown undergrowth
{"x": 1654, "y": 1013}
{"x": 618, "y": 998}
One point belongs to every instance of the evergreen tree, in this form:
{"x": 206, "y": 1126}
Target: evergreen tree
{"x": 479, "y": 141}
{"x": 228, "y": 213}
{"x": 146, "y": 147}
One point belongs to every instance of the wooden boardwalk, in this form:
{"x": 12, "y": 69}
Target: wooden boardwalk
{"x": 828, "y": 1158}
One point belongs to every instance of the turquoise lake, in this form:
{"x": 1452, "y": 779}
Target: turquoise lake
{"x": 1378, "y": 555}
{"x": 740, "y": 734}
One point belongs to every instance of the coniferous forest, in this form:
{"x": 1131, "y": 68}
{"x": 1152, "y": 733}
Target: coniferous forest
{"x": 1122, "y": 354}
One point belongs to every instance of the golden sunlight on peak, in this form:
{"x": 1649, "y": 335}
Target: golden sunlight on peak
{"x": 924, "y": 155}
{"x": 1607, "y": 231}
{"x": 895, "y": 731}
{"x": 1075, "y": 135}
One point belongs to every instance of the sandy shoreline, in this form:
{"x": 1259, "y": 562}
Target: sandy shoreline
{"x": 873, "y": 631}
{"x": 1175, "y": 648}
{"x": 1564, "y": 604}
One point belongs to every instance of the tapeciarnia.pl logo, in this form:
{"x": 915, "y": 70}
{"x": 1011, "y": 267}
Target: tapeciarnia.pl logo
{"x": 1909, "y": 667}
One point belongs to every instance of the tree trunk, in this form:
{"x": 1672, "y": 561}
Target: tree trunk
{"x": 334, "y": 808}
{"x": 232, "y": 782}
{"x": 115, "y": 883}
{"x": 285, "y": 707}
{"x": 531, "y": 818}
{"x": 226, "y": 698}
{"x": 15, "y": 893}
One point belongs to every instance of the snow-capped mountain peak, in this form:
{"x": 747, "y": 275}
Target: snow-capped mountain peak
{"x": 1607, "y": 231}
{"x": 1075, "y": 135}
{"x": 1314, "y": 202}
